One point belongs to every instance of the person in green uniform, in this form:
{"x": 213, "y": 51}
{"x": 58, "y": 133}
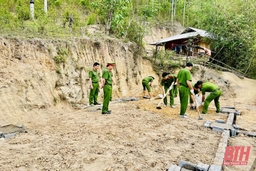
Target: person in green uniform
{"x": 215, "y": 93}
{"x": 94, "y": 78}
{"x": 166, "y": 83}
{"x": 106, "y": 84}
{"x": 147, "y": 83}
{"x": 184, "y": 79}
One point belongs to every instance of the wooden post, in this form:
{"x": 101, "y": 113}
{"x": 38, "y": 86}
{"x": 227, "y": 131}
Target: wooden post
{"x": 45, "y": 6}
{"x": 32, "y": 9}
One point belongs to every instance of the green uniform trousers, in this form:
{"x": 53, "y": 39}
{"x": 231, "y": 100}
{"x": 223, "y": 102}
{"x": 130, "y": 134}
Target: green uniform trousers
{"x": 171, "y": 96}
{"x": 107, "y": 89}
{"x": 215, "y": 95}
{"x": 184, "y": 94}
{"x": 94, "y": 94}
{"x": 146, "y": 86}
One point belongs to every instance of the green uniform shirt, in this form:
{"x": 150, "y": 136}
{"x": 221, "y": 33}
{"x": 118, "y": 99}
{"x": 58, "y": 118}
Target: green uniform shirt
{"x": 94, "y": 75}
{"x": 167, "y": 83}
{"x": 147, "y": 80}
{"x": 183, "y": 76}
{"x": 107, "y": 75}
{"x": 208, "y": 87}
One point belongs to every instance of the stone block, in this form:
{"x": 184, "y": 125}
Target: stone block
{"x": 247, "y": 133}
{"x": 232, "y": 132}
{"x": 228, "y": 107}
{"x": 184, "y": 169}
{"x": 230, "y": 119}
{"x": 222, "y": 148}
{"x": 187, "y": 165}
{"x": 202, "y": 167}
{"x": 220, "y": 121}
{"x": 220, "y": 127}
{"x": 214, "y": 167}
{"x": 9, "y": 135}
{"x": 227, "y": 110}
{"x": 238, "y": 112}
{"x": 174, "y": 168}
{"x": 218, "y": 159}
{"x": 253, "y": 168}
{"x": 207, "y": 124}
{"x": 236, "y": 126}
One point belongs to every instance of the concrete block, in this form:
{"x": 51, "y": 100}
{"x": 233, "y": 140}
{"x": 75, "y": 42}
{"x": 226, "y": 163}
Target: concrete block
{"x": 184, "y": 169}
{"x": 225, "y": 136}
{"x": 218, "y": 159}
{"x": 214, "y": 167}
{"x": 253, "y": 168}
{"x": 174, "y": 168}
{"x": 202, "y": 167}
{"x": 230, "y": 119}
{"x": 236, "y": 126}
{"x": 207, "y": 124}
{"x": 227, "y": 110}
{"x": 222, "y": 147}
{"x": 220, "y": 121}
{"x": 249, "y": 134}
{"x": 238, "y": 112}
{"x": 232, "y": 132}
{"x": 187, "y": 165}
{"x": 9, "y": 135}
{"x": 217, "y": 129}
{"x": 228, "y": 107}
{"x": 1, "y": 135}
{"x": 221, "y": 127}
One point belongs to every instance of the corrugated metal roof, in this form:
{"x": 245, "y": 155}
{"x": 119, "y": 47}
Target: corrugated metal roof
{"x": 187, "y": 33}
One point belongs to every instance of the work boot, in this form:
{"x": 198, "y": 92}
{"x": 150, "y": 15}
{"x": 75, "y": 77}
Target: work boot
{"x": 96, "y": 103}
{"x": 108, "y": 112}
{"x": 183, "y": 116}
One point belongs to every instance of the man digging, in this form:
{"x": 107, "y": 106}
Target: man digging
{"x": 166, "y": 83}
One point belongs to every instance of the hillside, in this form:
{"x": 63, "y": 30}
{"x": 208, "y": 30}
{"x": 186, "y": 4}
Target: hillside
{"x": 44, "y": 88}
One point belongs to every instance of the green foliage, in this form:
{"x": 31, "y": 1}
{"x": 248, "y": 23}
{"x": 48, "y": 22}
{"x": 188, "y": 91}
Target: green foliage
{"x": 232, "y": 21}
{"x": 55, "y": 101}
{"x": 85, "y": 3}
{"x": 91, "y": 19}
{"x": 135, "y": 32}
{"x": 60, "y": 59}
{"x": 62, "y": 56}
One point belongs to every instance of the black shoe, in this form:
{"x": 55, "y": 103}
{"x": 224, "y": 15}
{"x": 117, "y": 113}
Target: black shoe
{"x": 96, "y": 103}
{"x": 192, "y": 107}
{"x": 108, "y": 112}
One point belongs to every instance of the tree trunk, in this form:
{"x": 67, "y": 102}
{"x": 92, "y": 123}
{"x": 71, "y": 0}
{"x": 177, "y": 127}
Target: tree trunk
{"x": 108, "y": 27}
{"x": 184, "y": 10}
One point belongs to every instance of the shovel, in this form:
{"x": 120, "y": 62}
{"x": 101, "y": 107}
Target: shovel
{"x": 165, "y": 94}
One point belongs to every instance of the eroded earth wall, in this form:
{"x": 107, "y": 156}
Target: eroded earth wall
{"x": 38, "y": 73}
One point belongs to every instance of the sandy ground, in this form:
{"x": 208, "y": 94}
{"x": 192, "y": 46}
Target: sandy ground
{"x": 134, "y": 137}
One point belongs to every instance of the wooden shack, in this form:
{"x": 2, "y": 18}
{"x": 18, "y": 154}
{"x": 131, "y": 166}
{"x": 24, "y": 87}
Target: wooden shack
{"x": 191, "y": 42}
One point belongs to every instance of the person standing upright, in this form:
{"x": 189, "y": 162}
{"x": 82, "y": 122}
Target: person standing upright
{"x": 184, "y": 79}
{"x": 215, "y": 93}
{"x": 94, "y": 78}
{"x": 147, "y": 83}
{"x": 106, "y": 84}
{"x": 166, "y": 83}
